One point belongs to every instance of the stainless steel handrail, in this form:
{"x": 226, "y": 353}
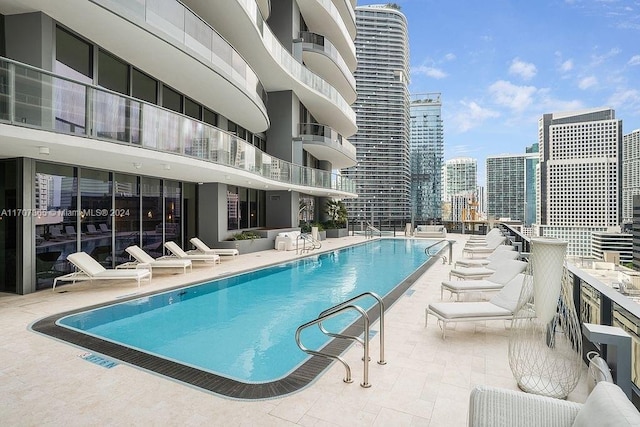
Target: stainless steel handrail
{"x": 365, "y": 343}
{"x": 372, "y": 229}
{"x": 380, "y": 316}
{"x": 316, "y": 244}
{"x": 444, "y": 258}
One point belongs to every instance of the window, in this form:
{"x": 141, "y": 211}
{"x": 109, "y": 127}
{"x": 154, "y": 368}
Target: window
{"x": 144, "y": 87}
{"x": 112, "y": 73}
{"x": 171, "y": 99}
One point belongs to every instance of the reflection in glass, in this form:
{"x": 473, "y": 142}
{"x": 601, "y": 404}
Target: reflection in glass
{"x": 126, "y": 218}
{"x": 55, "y": 189}
{"x": 173, "y": 212}
{"x": 95, "y": 214}
{"x": 152, "y": 211}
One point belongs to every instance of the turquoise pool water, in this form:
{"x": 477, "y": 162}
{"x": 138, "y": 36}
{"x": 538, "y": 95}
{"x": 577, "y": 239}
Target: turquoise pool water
{"x": 243, "y": 327}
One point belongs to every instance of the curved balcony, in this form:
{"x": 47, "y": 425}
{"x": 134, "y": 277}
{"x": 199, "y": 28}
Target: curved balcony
{"x": 265, "y": 8}
{"x": 74, "y": 123}
{"x": 278, "y": 69}
{"x": 325, "y": 143}
{"x": 180, "y": 49}
{"x": 322, "y": 17}
{"x": 347, "y": 11}
{"x": 321, "y": 56}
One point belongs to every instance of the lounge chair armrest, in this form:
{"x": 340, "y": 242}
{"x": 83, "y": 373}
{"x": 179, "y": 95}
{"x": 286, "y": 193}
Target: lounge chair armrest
{"x": 495, "y": 407}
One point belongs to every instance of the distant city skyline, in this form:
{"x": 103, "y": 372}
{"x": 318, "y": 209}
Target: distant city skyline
{"x": 501, "y": 65}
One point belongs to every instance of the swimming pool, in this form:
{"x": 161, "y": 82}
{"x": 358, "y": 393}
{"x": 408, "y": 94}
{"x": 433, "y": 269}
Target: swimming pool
{"x": 242, "y": 327}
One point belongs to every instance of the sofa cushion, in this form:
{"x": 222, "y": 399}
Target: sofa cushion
{"x": 607, "y": 405}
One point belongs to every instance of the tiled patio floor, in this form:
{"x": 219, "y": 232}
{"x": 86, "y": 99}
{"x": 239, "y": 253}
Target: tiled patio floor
{"x": 426, "y": 381}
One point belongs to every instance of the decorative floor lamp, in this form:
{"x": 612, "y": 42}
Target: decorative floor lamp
{"x": 545, "y": 341}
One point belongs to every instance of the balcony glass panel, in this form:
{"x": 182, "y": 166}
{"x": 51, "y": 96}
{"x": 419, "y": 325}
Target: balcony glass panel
{"x": 36, "y": 98}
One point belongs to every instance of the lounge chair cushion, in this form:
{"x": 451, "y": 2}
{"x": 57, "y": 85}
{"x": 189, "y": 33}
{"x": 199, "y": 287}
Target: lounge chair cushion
{"x": 509, "y": 295}
{"x": 87, "y": 264}
{"x": 607, "y": 405}
{"x": 507, "y": 270}
{"x": 456, "y": 310}
{"x": 144, "y": 258}
{"x": 479, "y": 285}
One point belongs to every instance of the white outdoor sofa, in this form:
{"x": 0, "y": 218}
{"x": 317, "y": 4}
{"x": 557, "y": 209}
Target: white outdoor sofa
{"x": 286, "y": 241}
{"x": 430, "y": 231}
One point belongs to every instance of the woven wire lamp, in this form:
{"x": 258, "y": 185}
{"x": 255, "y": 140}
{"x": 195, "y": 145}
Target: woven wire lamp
{"x": 545, "y": 341}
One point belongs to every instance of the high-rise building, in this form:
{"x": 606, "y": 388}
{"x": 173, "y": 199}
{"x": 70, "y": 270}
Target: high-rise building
{"x": 579, "y": 173}
{"x": 382, "y": 173}
{"x": 531, "y": 187}
{"x": 507, "y": 185}
{"x": 460, "y": 180}
{"x": 188, "y": 118}
{"x": 426, "y": 151}
{"x": 630, "y": 173}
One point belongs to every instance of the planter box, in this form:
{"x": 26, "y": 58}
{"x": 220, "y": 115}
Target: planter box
{"x": 247, "y": 246}
{"x": 332, "y": 233}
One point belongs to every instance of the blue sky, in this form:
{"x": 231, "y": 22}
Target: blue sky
{"x": 501, "y": 64}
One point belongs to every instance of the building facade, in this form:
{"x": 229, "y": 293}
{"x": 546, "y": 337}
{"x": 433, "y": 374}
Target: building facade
{"x": 426, "y": 151}
{"x": 579, "y": 175}
{"x": 630, "y": 173}
{"x": 382, "y": 173}
{"x": 128, "y": 124}
{"x": 460, "y": 180}
{"x": 507, "y": 185}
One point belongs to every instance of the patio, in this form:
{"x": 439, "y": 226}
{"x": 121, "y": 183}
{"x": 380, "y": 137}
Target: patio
{"x": 426, "y": 381}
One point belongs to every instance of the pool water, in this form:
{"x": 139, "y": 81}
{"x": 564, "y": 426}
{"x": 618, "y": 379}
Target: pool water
{"x": 243, "y": 327}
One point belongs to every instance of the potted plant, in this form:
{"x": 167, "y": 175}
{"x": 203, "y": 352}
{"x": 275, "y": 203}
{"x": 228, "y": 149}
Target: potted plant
{"x": 336, "y": 226}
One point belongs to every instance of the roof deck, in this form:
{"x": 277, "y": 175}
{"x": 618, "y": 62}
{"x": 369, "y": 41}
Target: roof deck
{"x": 426, "y": 381}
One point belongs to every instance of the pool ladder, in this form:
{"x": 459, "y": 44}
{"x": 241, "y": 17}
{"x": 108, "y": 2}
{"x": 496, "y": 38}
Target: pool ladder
{"x": 337, "y": 310}
{"x": 307, "y": 238}
{"x": 427, "y": 250}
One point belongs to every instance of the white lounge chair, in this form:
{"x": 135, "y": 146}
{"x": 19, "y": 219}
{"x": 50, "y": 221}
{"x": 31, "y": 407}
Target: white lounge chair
{"x": 90, "y": 269}
{"x": 481, "y": 272}
{"x": 502, "y": 306}
{"x": 493, "y": 256}
{"x": 202, "y": 248}
{"x": 485, "y": 250}
{"x": 143, "y": 259}
{"x": 496, "y": 281}
{"x": 177, "y": 251}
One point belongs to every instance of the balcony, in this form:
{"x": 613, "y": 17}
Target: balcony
{"x": 278, "y": 69}
{"x": 118, "y": 131}
{"x": 325, "y": 143}
{"x": 321, "y": 56}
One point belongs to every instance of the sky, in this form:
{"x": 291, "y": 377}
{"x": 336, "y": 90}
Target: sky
{"x": 500, "y": 65}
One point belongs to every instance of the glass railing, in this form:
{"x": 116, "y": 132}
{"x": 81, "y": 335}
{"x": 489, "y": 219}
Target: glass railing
{"x": 319, "y": 42}
{"x": 174, "y": 22}
{"x": 36, "y": 98}
{"x": 599, "y": 303}
{"x": 291, "y": 65}
{"x": 330, "y": 137}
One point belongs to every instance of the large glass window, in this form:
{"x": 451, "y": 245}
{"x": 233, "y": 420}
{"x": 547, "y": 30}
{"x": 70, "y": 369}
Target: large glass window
{"x": 245, "y": 208}
{"x": 95, "y": 213}
{"x": 192, "y": 109}
{"x": 112, "y": 73}
{"x": 173, "y": 212}
{"x": 233, "y": 208}
{"x": 144, "y": 87}
{"x": 152, "y": 211}
{"x": 8, "y": 226}
{"x": 74, "y": 59}
{"x": 189, "y": 210}
{"x": 171, "y": 99}
{"x": 126, "y": 215}
{"x": 56, "y": 204}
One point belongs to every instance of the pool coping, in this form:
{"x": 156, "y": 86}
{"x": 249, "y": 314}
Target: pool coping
{"x": 298, "y": 379}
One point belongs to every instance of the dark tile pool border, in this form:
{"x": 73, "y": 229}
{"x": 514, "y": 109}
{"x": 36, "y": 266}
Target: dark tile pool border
{"x": 296, "y": 380}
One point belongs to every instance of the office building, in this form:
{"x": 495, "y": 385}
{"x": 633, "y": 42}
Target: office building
{"x": 579, "y": 173}
{"x": 158, "y": 121}
{"x": 382, "y": 173}
{"x": 460, "y": 181}
{"x": 426, "y": 151}
{"x": 630, "y": 173}
{"x": 607, "y": 246}
{"x": 507, "y": 185}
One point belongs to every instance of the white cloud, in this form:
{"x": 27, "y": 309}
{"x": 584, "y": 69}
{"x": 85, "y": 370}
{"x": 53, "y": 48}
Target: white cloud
{"x": 433, "y": 72}
{"x": 626, "y": 98}
{"x": 635, "y": 60}
{"x": 525, "y": 70}
{"x": 549, "y": 104}
{"x": 566, "y": 66}
{"x": 512, "y": 96}
{"x": 599, "y": 59}
{"x": 472, "y": 115}
{"x": 449, "y": 57}
{"x": 587, "y": 82}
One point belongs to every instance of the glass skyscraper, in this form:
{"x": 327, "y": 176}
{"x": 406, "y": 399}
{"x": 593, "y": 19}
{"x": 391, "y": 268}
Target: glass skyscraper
{"x": 382, "y": 173}
{"x": 427, "y": 151}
